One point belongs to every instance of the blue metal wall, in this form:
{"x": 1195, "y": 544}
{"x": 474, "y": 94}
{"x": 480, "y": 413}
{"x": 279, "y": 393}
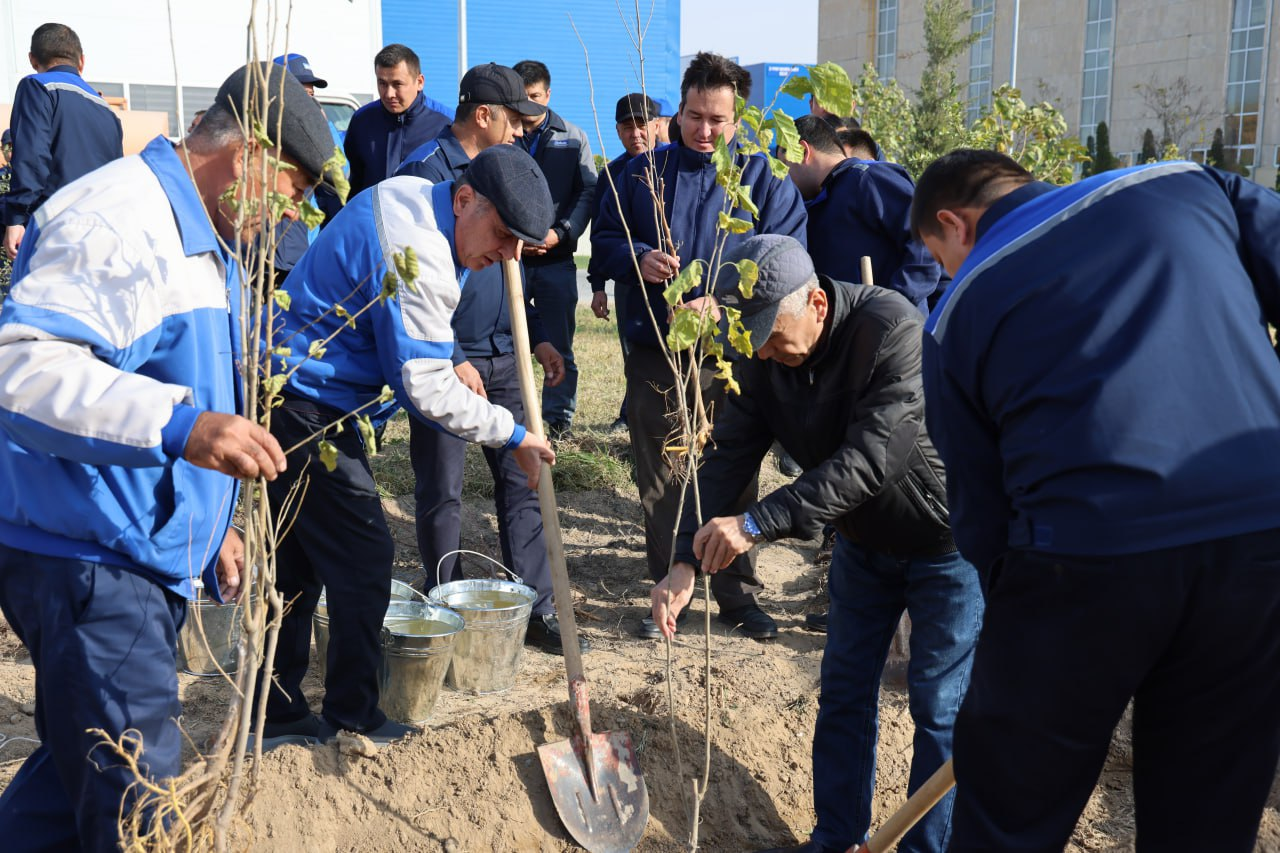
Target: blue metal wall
{"x": 767, "y": 78}
{"x": 507, "y": 32}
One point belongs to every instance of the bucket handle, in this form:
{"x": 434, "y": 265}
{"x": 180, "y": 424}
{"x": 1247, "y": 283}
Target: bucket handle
{"x": 492, "y": 574}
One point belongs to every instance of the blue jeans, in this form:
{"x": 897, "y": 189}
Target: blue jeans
{"x": 554, "y": 290}
{"x": 869, "y": 591}
{"x": 103, "y": 642}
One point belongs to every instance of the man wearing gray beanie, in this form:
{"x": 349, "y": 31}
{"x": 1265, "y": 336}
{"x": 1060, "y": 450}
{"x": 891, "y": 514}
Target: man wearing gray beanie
{"x": 118, "y": 344}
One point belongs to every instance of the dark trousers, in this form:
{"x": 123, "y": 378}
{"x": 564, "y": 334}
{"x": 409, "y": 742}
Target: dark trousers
{"x": 869, "y": 592}
{"x": 339, "y": 540}
{"x": 1190, "y": 633}
{"x": 437, "y": 459}
{"x": 651, "y": 391}
{"x": 621, "y": 291}
{"x": 103, "y": 642}
{"x": 554, "y": 290}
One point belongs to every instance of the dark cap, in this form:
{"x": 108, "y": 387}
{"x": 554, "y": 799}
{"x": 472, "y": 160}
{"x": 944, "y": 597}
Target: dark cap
{"x": 785, "y": 267}
{"x": 513, "y": 183}
{"x": 497, "y": 84}
{"x": 304, "y": 131}
{"x": 6, "y": 138}
{"x": 299, "y": 67}
{"x": 636, "y": 105}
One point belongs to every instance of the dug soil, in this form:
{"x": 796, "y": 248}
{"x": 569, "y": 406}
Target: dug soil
{"x": 472, "y": 781}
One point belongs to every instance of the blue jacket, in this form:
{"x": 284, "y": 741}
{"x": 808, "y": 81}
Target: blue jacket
{"x": 864, "y": 209}
{"x": 603, "y": 196}
{"x": 120, "y": 330}
{"x": 61, "y": 130}
{"x": 378, "y": 141}
{"x": 693, "y": 201}
{"x": 1099, "y": 379}
{"x": 482, "y": 321}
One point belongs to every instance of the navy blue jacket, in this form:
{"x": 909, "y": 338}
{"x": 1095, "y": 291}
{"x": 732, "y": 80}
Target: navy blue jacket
{"x": 603, "y": 196}
{"x": 61, "y": 130}
{"x": 1099, "y": 379}
{"x": 562, "y": 152}
{"x": 864, "y": 208}
{"x": 693, "y": 201}
{"x": 482, "y": 320}
{"x": 378, "y": 141}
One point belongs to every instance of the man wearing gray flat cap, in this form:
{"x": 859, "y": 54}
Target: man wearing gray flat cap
{"x": 836, "y": 380}
{"x": 119, "y": 343}
{"x": 340, "y": 539}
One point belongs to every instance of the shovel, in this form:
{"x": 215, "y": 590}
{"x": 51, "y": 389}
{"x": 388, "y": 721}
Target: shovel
{"x": 595, "y": 778}
{"x": 916, "y": 807}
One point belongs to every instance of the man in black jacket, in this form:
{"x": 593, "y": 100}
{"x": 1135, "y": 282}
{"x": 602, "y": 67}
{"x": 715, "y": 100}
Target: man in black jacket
{"x": 837, "y": 382}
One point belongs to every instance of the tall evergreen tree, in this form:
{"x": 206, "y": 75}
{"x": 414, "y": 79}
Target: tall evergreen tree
{"x": 1103, "y": 159}
{"x": 1090, "y": 149}
{"x": 1149, "y": 150}
{"x": 1217, "y": 157}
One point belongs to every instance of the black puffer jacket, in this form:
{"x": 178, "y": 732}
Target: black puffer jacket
{"x": 853, "y": 417}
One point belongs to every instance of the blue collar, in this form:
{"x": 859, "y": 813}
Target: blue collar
{"x": 442, "y": 205}
{"x": 1008, "y": 203}
{"x": 454, "y": 154}
{"x": 188, "y": 209}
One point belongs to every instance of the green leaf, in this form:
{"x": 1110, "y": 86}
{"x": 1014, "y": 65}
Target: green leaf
{"x": 686, "y": 328}
{"x": 390, "y": 286}
{"x": 328, "y": 456}
{"x": 732, "y": 224}
{"x": 689, "y": 278}
{"x": 274, "y": 384}
{"x": 797, "y": 86}
{"x": 779, "y": 169}
{"x": 739, "y": 337}
{"x": 283, "y": 352}
{"x": 310, "y": 215}
{"x": 831, "y": 88}
{"x": 748, "y": 275}
{"x": 332, "y": 172}
{"x": 743, "y": 200}
{"x": 368, "y": 433}
{"x": 721, "y": 158}
{"x": 410, "y": 263}
{"x": 788, "y": 137}
{"x": 344, "y": 314}
{"x": 316, "y": 350}
{"x": 725, "y": 372}
{"x": 282, "y": 299}
{"x": 386, "y": 395}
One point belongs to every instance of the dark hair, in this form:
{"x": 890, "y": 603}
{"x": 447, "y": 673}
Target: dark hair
{"x": 533, "y": 72}
{"x": 51, "y": 42}
{"x": 967, "y": 177}
{"x": 854, "y": 140}
{"x": 393, "y": 54}
{"x": 218, "y": 128}
{"x": 819, "y": 135}
{"x": 713, "y": 71}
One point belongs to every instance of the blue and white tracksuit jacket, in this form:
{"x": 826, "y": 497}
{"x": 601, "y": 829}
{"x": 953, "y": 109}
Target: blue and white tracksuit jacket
{"x": 407, "y": 342}
{"x": 1099, "y": 379}
{"x": 118, "y": 332}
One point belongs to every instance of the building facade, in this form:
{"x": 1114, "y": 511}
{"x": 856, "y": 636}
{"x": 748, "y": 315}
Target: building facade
{"x": 1182, "y": 69}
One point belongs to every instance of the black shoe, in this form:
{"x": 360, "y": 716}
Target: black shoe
{"x": 750, "y": 621}
{"x": 303, "y": 732}
{"x": 389, "y": 732}
{"x": 649, "y": 628}
{"x": 816, "y": 622}
{"x": 544, "y": 633}
{"x": 807, "y": 847}
{"x": 556, "y": 430}
{"x": 788, "y": 466}
{"x": 618, "y": 425}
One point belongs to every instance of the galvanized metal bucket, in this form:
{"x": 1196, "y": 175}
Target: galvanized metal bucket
{"x": 486, "y": 657}
{"x": 400, "y": 591}
{"x": 208, "y": 639}
{"x": 417, "y": 644}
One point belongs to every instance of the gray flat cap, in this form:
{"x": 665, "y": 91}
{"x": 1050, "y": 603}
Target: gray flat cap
{"x": 785, "y": 267}
{"x": 304, "y": 131}
{"x": 512, "y": 181}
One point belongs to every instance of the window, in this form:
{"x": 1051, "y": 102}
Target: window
{"x": 1244, "y": 82}
{"x": 1095, "y": 101}
{"x": 161, "y": 99}
{"x": 984, "y": 14}
{"x": 195, "y": 99}
{"x": 107, "y": 90}
{"x": 887, "y": 39}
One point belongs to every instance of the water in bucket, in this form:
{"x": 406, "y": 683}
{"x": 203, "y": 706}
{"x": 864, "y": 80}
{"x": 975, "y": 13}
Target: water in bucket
{"x": 486, "y": 658}
{"x": 418, "y": 640}
{"x": 400, "y": 591}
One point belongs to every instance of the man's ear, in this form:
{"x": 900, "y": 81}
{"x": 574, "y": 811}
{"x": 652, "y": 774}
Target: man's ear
{"x": 80, "y": 67}
{"x": 35, "y": 66}
{"x": 463, "y": 198}
{"x": 955, "y": 225}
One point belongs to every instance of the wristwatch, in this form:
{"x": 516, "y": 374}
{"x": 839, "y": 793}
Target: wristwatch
{"x": 752, "y": 529}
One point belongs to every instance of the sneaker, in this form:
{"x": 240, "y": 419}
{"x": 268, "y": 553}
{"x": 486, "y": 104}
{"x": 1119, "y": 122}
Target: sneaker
{"x": 750, "y": 621}
{"x": 544, "y": 633}
{"x": 816, "y": 622}
{"x": 303, "y": 732}
{"x": 389, "y": 732}
{"x": 649, "y": 628}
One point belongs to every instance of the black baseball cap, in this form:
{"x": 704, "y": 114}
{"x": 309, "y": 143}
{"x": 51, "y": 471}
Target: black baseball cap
{"x": 304, "y": 131}
{"x": 784, "y": 266}
{"x": 497, "y": 84}
{"x": 511, "y": 180}
{"x": 636, "y": 105}
{"x": 299, "y": 67}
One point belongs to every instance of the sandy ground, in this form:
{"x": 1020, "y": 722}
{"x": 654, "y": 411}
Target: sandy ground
{"x": 472, "y": 781}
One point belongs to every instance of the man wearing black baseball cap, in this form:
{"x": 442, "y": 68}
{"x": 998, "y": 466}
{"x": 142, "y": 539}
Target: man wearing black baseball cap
{"x": 836, "y": 381}
{"x": 120, "y": 339}
{"x": 402, "y": 340}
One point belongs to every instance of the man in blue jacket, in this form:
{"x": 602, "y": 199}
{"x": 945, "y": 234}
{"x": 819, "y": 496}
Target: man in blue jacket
{"x": 382, "y": 133}
{"x": 692, "y": 201}
{"x": 860, "y": 208}
{"x": 117, "y": 345}
{"x": 61, "y": 129}
{"x": 1102, "y": 387}
{"x": 491, "y": 99}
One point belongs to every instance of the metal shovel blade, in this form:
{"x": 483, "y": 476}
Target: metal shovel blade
{"x": 604, "y": 806}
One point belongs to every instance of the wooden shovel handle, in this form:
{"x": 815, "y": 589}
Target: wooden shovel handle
{"x": 916, "y": 807}
{"x": 867, "y": 276}
{"x": 546, "y": 488}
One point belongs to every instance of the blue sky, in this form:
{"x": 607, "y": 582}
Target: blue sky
{"x": 752, "y": 30}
